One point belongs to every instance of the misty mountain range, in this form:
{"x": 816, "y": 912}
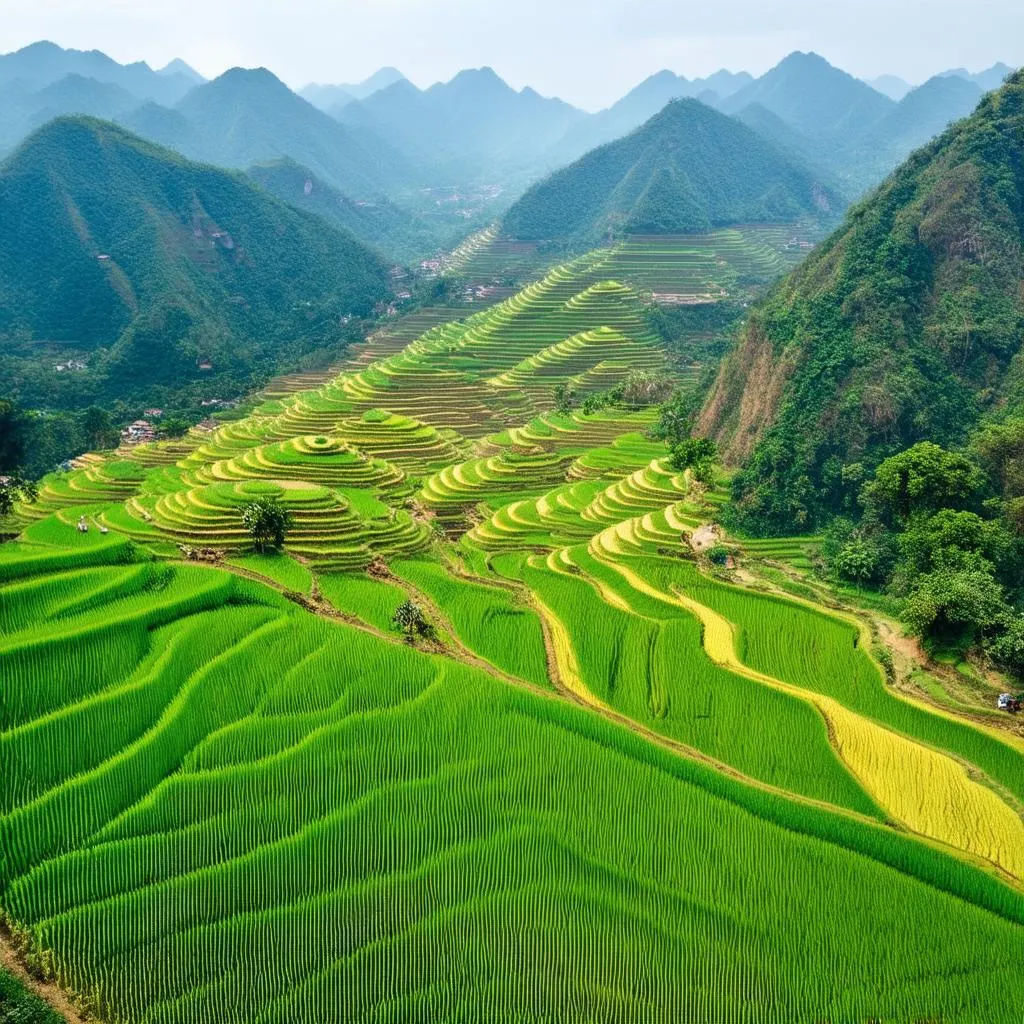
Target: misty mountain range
{"x": 392, "y": 146}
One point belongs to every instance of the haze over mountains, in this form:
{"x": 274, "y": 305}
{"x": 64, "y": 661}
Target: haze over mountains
{"x": 386, "y": 136}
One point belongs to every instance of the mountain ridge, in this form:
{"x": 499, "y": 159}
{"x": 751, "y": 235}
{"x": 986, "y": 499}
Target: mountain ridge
{"x": 906, "y": 325}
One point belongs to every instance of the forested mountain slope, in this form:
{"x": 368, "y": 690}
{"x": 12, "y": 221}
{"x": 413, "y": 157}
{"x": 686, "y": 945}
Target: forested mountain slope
{"x": 688, "y": 169}
{"x": 907, "y": 324}
{"x": 397, "y": 233}
{"x": 44, "y": 63}
{"x": 640, "y": 104}
{"x": 921, "y": 115}
{"x": 145, "y": 265}
{"x": 328, "y": 97}
{"x": 817, "y": 99}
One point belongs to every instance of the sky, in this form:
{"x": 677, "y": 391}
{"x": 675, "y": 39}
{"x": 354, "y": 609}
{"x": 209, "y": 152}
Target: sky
{"x": 589, "y": 52}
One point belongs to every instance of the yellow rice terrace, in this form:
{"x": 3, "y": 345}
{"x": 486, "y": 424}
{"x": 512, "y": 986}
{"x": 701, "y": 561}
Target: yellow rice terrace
{"x": 498, "y": 725}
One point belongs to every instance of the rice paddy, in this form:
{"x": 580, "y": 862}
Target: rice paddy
{"x": 606, "y": 785}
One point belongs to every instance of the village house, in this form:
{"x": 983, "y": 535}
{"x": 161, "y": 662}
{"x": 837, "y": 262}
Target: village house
{"x": 138, "y": 432}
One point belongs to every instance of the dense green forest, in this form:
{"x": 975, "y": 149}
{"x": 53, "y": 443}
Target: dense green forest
{"x": 152, "y": 275}
{"x": 688, "y": 169}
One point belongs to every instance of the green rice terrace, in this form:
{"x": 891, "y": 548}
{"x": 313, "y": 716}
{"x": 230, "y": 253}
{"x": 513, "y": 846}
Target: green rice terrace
{"x": 675, "y": 269}
{"x": 612, "y": 782}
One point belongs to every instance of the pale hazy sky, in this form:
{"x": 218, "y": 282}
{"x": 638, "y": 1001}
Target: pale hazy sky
{"x": 587, "y": 51}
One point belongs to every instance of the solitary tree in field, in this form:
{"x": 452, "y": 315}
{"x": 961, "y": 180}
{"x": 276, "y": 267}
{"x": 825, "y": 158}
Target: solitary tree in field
{"x": 409, "y": 618}
{"x": 565, "y": 397}
{"x": 267, "y": 522}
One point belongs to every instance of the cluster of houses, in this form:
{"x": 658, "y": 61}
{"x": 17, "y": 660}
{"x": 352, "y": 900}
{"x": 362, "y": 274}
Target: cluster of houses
{"x": 71, "y": 364}
{"x": 138, "y": 432}
{"x": 219, "y": 403}
{"x": 480, "y": 292}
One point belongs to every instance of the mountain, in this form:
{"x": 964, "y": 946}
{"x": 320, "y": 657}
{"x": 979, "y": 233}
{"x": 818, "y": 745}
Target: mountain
{"x": 145, "y": 264}
{"x": 474, "y": 127}
{"x": 890, "y": 85}
{"x": 987, "y": 80}
{"x": 44, "y": 63}
{"x": 379, "y": 223}
{"x": 688, "y": 169}
{"x": 833, "y": 121}
{"x": 906, "y": 325}
{"x": 21, "y": 111}
{"x": 921, "y": 115}
{"x": 813, "y": 97}
{"x": 248, "y": 117}
{"x": 640, "y": 104}
{"x": 327, "y": 97}
{"x": 179, "y": 67}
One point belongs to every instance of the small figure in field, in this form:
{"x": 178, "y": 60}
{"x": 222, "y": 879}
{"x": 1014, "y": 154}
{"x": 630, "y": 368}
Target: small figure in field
{"x": 83, "y": 526}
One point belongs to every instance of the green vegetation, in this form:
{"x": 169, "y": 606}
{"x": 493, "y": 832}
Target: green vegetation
{"x": 19, "y": 1006}
{"x": 268, "y": 522}
{"x": 379, "y": 224}
{"x": 939, "y": 532}
{"x": 488, "y": 738}
{"x": 159, "y": 275}
{"x": 902, "y": 327}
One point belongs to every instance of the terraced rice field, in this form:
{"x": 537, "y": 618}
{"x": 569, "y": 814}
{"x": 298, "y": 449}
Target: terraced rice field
{"x": 678, "y": 269}
{"x": 685, "y": 269}
{"x": 610, "y": 787}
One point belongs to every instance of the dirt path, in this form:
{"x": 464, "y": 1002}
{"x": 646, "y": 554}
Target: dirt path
{"x": 49, "y": 992}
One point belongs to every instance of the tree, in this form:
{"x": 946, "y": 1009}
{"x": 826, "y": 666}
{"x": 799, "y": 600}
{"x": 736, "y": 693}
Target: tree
{"x": 14, "y": 427}
{"x": 697, "y": 454}
{"x": 565, "y": 397}
{"x": 15, "y": 488}
{"x": 174, "y": 426}
{"x": 923, "y": 478}
{"x": 857, "y": 560}
{"x": 1000, "y": 448}
{"x": 956, "y": 605}
{"x": 409, "y": 618}
{"x": 97, "y": 428}
{"x": 1008, "y": 647}
{"x": 692, "y": 451}
{"x": 953, "y": 540}
{"x": 677, "y": 416}
{"x": 268, "y": 522}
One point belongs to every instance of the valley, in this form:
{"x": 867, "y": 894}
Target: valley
{"x": 568, "y": 568}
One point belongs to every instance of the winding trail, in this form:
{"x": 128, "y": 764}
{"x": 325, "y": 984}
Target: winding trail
{"x": 48, "y": 991}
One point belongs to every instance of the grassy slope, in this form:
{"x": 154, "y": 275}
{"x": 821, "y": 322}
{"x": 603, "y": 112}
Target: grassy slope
{"x": 436, "y": 755}
{"x": 404, "y": 834}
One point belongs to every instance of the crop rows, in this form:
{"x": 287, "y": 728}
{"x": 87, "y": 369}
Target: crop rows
{"x": 608, "y": 787}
